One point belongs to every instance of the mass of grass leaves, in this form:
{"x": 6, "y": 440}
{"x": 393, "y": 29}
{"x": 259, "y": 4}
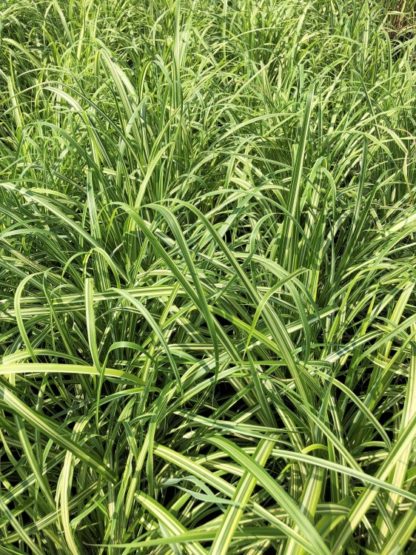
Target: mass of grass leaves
{"x": 207, "y": 277}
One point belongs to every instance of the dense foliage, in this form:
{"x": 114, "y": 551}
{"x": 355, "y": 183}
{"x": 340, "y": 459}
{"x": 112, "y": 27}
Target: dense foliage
{"x": 207, "y": 277}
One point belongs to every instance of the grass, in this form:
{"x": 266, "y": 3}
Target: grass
{"x": 207, "y": 277}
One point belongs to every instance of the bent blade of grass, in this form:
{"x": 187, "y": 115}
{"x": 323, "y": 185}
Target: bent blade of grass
{"x": 195, "y": 468}
{"x": 255, "y": 533}
{"x": 13, "y": 368}
{"x": 52, "y": 430}
{"x": 240, "y": 499}
{"x": 165, "y": 518}
{"x": 63, "y": 493}
{"x": 263, "y": 478}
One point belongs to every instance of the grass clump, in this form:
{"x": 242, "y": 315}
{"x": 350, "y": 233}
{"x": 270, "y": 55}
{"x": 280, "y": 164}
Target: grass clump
{"x": 207, "y": 269}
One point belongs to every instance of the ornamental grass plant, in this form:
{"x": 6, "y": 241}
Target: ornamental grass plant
{"x": 207, "y": 277}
